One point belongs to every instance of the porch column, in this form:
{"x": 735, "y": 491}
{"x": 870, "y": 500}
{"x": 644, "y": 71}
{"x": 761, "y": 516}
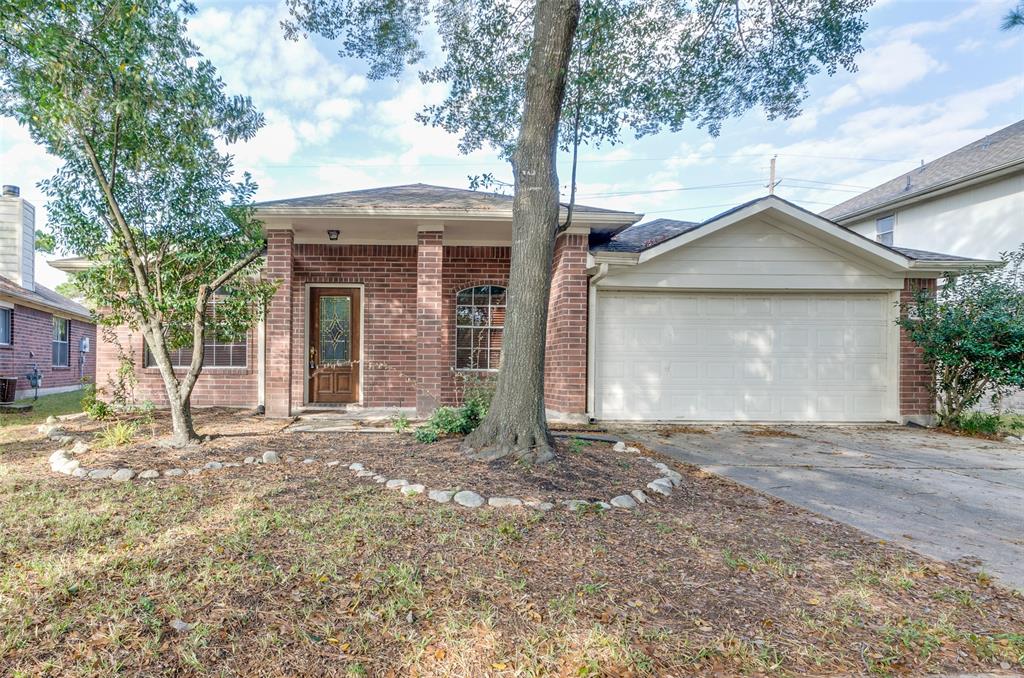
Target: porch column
{"x": 277, "y": 384}
{"x": 430, "y": 354}
{"x": 565, "y": 361}
{"x": 917, "y": 376}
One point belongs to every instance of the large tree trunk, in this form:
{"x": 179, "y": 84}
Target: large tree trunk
{"x": 183, "y": 432}
{"x": 515, "y": 423}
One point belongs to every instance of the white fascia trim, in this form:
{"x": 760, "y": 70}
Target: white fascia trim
{"x": 941, "y": 267}
{"x": 616, "y": 258}
{"x": 772, "y": 203}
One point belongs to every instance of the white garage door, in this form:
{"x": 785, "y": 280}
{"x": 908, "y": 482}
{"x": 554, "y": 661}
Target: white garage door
{"x": 744, "y": 356}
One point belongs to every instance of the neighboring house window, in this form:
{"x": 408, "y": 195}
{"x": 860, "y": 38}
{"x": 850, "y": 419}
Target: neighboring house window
{"x": 479, "y": 327}
{"x": 6, "y": 326}
{"x": 217, "y": 353}
{"x": 884, "y": 227}
{"x": 60, "y": 342}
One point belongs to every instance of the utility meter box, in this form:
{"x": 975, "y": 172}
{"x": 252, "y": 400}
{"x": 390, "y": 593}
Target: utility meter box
{"x": 83, "y": 345}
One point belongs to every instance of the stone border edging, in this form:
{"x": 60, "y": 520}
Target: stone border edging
{"x": 62, "y": 461}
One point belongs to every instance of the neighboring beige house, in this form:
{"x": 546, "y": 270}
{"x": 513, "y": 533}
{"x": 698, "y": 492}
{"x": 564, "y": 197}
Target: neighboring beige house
{"x": 969, "y": 203}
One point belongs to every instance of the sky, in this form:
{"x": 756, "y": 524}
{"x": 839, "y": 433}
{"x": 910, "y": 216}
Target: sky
{"x": 933, "y": 76}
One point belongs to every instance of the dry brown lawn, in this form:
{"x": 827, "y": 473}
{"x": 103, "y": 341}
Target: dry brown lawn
{"x": 298, "y": 569}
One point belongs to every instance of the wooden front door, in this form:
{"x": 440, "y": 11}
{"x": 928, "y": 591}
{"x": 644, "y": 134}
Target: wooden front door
{"x": 334, "y": 345}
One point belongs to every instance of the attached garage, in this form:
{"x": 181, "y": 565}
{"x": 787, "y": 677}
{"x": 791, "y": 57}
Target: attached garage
{"x": 744, "y": 356}
{"x": 764, "y": 313}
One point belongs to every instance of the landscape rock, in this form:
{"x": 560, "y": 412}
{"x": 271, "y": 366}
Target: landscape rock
{"x": 80, "y": 472}
{"x": 380, "y": 479}
{"x": 640, "y": 496}
{"x": 213, "y": 466}
{"x": 540, "y": 505}
{"x": 80, "y": 447}
{"x": 65, "y": 440}
{"x": 441, "y": 496}
{"x": 69, "y": 467}
{"x": 634, "y": 450}
{"x": 410, "y": 490}
{"x": 619, "y": 446}
{"x": 56, "y": 433}
{"x": 332, "y": 464}
{"x": 309, "y": 460}
{"x": 602, "y": 505}
{"x": 231, "y": 464}
{"x": 661, "y": 486}
{"x": 102, "y": 473}
{"x": 249, "y": 460}
{"x": 504, "y": 502}
{"x": 58, "y": 457}
{"x": 468, "y": 499}
{"x": 149, "y": 474}
{"x": 174, "y": 472}
{"x": 51, "y": 419}
{"x": 575, "y": 504}
{"x": 356, "y": 466}
{"x": 123, "y": 475}
{"x": 270, "y": 457}
{"x": 291, "y": 460}
{"x": 396, "y": 483}
{"x": 365, "y": 474}
{"x": 624, "y": 501}
{"x": 195, "y": 471}
{"x": 1013, "y": 439}
{"x": 180, "y": 626}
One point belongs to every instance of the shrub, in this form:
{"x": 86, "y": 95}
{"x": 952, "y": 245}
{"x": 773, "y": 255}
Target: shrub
{"x": 401, "y": 423}
{"x": 979, "y": 423}
{"x": 116, "y": 435}
{"x": 972, "y": 332}
{"x": 426, "y": 435}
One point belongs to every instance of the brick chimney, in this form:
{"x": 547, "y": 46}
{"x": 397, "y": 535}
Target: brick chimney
{"x": 17, "y": 238}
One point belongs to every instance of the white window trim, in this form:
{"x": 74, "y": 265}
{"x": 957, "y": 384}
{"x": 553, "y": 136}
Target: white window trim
{"x": 67, "y": 341}
{"x": 10, "y": 323}
{"x": 891, "y": 232}
{"x": 477, "y": 327}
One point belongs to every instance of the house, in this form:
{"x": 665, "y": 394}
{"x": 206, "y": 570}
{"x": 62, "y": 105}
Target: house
{"x": 969, "y": 202}
{"x": 766, "y": 312}
{"x": 39, "y": 329}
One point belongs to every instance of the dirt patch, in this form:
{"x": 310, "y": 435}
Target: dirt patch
{"x": 769, "y": 432}
{"x": 680, "y": 429}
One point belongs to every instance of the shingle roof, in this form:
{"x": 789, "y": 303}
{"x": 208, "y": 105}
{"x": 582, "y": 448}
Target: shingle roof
{"x": 640, "y": 237}
{"x": 411, "y": 196}
{"x": 42, "y": 296}
{"x": 997, "y": 150}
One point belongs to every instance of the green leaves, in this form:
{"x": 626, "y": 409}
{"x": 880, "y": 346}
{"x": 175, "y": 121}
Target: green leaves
{"x": 972, "y": 330}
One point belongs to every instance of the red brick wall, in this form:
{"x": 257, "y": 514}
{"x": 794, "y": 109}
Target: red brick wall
{"x": 32, "y": 330}
{"x": 467, "y": 266}
{"x": 565, "y": 388}
{"x": 388, "y": 276}
{"x": 216, "y": 386}
{"x": 916, "y": 376}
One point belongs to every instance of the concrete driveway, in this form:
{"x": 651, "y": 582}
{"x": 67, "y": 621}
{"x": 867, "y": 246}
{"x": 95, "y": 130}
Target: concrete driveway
{"x": 948, "y": 497}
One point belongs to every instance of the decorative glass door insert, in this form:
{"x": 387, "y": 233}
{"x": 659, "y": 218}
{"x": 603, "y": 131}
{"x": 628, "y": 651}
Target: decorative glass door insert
{"x": 335, "y": 330}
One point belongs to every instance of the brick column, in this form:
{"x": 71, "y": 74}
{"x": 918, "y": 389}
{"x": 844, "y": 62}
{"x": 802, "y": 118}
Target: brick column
{"x": 565, "y": 365}
{"x": 917, "y": 378}
{"x": 278, "y": 374}
{"x": 431, "y": 366}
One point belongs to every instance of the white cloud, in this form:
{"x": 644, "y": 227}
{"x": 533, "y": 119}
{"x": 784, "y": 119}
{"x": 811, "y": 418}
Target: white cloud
{"x": 885, "y": 69}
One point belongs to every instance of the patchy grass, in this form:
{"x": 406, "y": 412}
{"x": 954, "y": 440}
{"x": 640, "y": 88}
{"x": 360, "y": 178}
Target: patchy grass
{"x": 297, "y": 570}
{"x": 48, "y": 405}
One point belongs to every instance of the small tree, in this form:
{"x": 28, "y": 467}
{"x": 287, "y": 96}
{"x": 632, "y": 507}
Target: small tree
{"x": 117, "y": 91}
{"x": 972, "y": 332}
{"x": 531, "y": 77}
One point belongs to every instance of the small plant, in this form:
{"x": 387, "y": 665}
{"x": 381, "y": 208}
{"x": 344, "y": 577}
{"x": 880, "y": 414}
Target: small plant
{"x": 426, "y": 435}
{"x": 116, "y": 435}
{"x": 401, "y": 423}
{"x": 576, "y": 445}
{"x": 978, "y": 423}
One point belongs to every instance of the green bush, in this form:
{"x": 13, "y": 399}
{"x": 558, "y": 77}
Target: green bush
{"x": 116, "y": 435}
{"x": 94, "y": 407}
{"x": 972, "y": 332}
{"x": 453, "y": 421}
{"x": 425, "y": 435}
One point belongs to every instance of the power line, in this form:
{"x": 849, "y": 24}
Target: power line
{"x": 734, "y": 184}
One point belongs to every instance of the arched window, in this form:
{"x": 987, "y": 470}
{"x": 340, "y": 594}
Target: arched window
{"x": 479, "y": 325}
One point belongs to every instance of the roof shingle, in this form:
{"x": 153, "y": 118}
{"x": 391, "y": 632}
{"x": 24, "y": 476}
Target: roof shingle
{"x": 42, "y": 296}
{"x": 998, "y": 149}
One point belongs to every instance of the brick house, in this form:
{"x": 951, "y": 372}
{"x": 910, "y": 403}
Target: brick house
{"x": 388, "y": 296}
{"x": 38, "y": 327}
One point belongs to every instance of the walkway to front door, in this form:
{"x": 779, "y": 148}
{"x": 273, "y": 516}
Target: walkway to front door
{"x": 334, "y": 345}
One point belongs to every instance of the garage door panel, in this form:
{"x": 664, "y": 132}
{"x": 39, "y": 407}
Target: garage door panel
{"x": 739, "y": 356}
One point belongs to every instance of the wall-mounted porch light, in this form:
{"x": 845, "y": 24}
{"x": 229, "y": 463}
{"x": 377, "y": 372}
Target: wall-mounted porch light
{"x": 333, "y": 233}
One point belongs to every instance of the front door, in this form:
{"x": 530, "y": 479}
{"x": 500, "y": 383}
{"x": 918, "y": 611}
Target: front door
{"x": 333, "y": 349}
